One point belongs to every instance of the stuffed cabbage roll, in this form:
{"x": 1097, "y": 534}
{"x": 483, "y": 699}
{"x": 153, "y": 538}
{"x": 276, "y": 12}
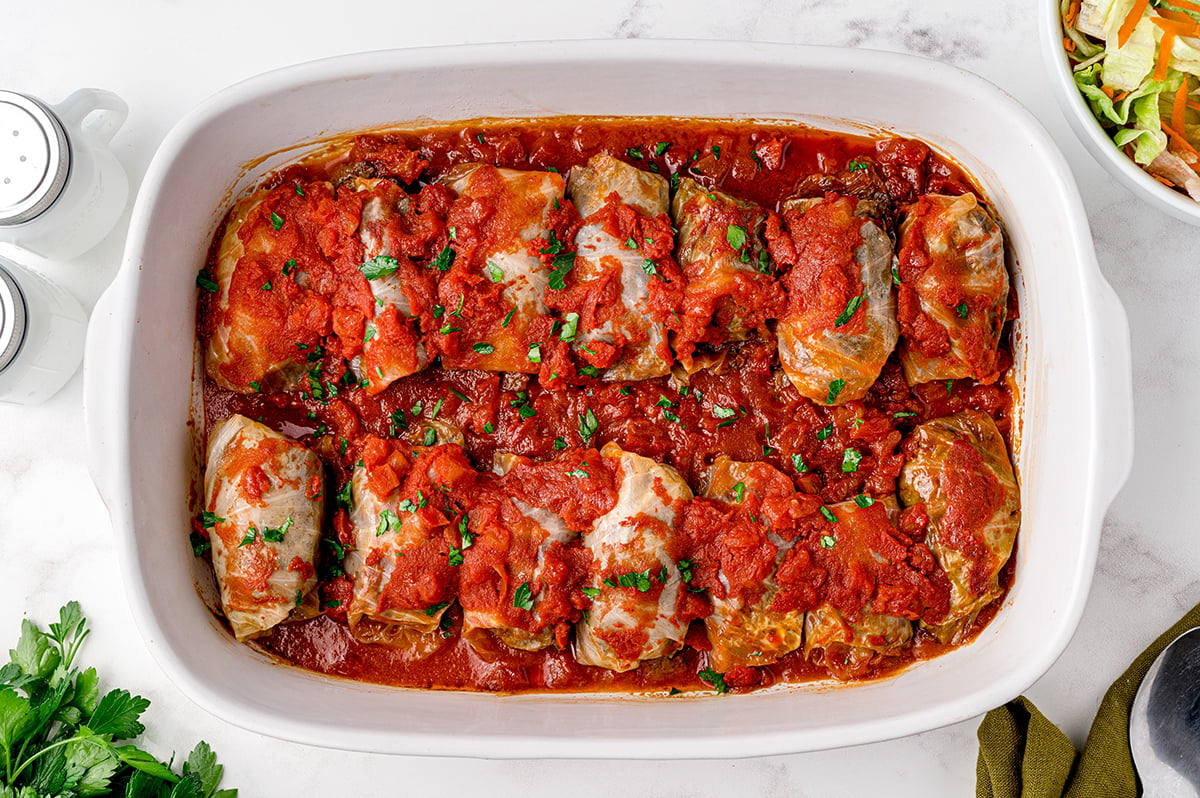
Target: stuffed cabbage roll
{"x": 840, "y": 323}
{"x": 623, "y": 261}
{"x": 953, "y": 292}
{"x": 401, "y": 291}
{"x": 493, "y": 294}
{"x": 520, "y": 575}
{"x": 730, "y": 288}
{"x": 958, "y": 468}
{"x": 267, "y": 316}
{"x": 736, "y": 555}
{"x": 878, "y": 581}
{"x": 404, "y": 517}
{"x": 634, "y": 579}
{"x": 265, "y": 492}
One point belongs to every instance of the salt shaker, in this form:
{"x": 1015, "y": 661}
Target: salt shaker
{"x": 42, "y": 328}
{"x": 61, "y": 187}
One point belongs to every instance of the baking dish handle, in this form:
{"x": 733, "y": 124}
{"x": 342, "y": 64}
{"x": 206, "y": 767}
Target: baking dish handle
{"x": 1114, "y": 392}
{"x": 105, "y": 369}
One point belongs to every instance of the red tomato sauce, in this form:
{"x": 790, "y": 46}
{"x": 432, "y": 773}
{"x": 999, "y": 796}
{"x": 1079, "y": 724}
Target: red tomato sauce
{"x": 738, "y": 404}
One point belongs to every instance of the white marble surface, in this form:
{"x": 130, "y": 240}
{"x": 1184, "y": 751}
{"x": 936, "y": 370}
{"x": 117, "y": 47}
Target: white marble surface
{"x": 164, "y": 56}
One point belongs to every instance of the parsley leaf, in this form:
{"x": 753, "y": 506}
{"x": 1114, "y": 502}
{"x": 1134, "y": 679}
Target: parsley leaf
{"x": 523, "y": 597}
{"x": 717, "y": 680}
{"x": 379, "y": 266}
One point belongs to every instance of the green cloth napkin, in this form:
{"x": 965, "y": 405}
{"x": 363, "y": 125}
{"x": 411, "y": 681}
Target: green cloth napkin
{"x": 1024, "y": 755}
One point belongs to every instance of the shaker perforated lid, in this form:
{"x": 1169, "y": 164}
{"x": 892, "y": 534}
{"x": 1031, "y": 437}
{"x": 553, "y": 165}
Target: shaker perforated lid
{"x": 35, "y": 158}
{"x": 12, "y": 318}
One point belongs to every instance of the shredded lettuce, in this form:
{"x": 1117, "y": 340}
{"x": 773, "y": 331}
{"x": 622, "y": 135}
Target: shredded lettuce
{"x": 1126, "y": 67}
{"x": 1136, "y": 114}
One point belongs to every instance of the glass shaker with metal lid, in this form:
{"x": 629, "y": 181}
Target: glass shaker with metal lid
{"x": 61, "y": 187}
{"x": 42, "y": 328}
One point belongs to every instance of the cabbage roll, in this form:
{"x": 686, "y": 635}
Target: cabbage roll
{"x": 840, "y": 323}
{"x": 953, "y": 292}
{"x": 878, "y": 582}
{"x": 494, "y": 293}
{"x": 730, "y": 289}
{"x": 731, "y": 536}
{"x": 266, "y": 316}
{"x": 519, "y": 570}
{"x": 623, "y": 254}
{"x": 400, "y": 290}
{"x": 958, "y": 468}
{"x": 265, "y": 492}
{"x": 405, "y": 523}
{"x": 634, "y": 579}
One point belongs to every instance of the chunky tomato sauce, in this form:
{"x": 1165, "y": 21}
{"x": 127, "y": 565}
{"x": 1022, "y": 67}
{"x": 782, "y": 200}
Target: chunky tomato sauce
{"x": 737, "y": 403}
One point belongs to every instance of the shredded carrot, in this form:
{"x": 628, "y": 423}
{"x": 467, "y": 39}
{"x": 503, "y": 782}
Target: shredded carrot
{"x": 1163, "y": 180}
{"x": 1190, "y": 6}
{"x": 1072, "y": 13}
{"x": 1131, "y": 21}
{"x": 1104, "y": 87}
{"x": 1195, "y": 106}
{"x": 1175, "y": 16}
{"x": 1068, "y": 44}
{"x": 1121, "y": 95}
{"x": 1164, "y": 55}
{"x": 1186, "y": 27}
{"x": 1179, "y": 105}
{"x": 1180, "y": 139}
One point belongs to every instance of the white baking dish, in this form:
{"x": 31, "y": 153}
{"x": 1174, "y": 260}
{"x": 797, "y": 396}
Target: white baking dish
{"x": 1075, "y": 450}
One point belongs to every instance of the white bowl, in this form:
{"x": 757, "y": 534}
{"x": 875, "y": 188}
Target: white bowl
{"x": 1089, "y": 131}
{"x": 1072, "y": 358}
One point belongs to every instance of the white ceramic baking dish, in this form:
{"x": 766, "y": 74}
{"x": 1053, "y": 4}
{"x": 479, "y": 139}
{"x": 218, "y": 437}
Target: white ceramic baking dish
{"x": 1075, "y": 449}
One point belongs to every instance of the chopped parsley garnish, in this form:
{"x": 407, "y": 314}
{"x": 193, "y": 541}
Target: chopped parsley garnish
{"x": 276, "y": 220}
{"x": 662, "y": 147}
{"x": 724, "y": 412}
{"x": 624, "y": 391}
{"x": 635, "y": 153}
{"x": 828, "y": 515}
{"x": 591, "y": 592}
{"x": 863, "y": 500}
{"x": 200, "y": 544}
{"x": 739, "y": 491}
{"x": 716, "y": 148}
{"x": 275, "y": 534}
{"x": 685, "y": 571}
{"x": 208, "y": 520}
{"x": 856, "y": 165}
{"x": 525, "y": 411}
{"x": 389, "y": 521}
{"x": 266, "y": 286}
{"x": 589, "y": 371}
{"x": 764, "y": 262}
{"x": 256, "y": 385}
{"x": 638, "y": 581}
{"x": 461, "y": 397}
{"x": 370, "y": 334}
{"x": 560, "y": 444}
{"x": 445, "y": 259}
{"x": 577, "y": 472}
{"x": 630, "y": 243}
{"x": 251, "y": 534}
{"x": 735, "y": 236}
{"x": 508, "y": 318}
{"x": 483, "y": 349}
{"x": 649, "y": 267}
{"x": 827, "y": 541}
{"x": 835, "y": 388}
{"x": 903, "y": 414}
{"x": 669, "y": 416}
{"x": 379, "y": 266}
{"x": 895, "y": 276}
{"x": 798, "y": 463}
{"x": 663, "y": 401}
{"x": 495, "y": 272}
{"x": 204, "y": 280}
{"x": 535, "y": 353}
{"x": 523, "y": 597}
{"x": 430, "y": 437}
{"x": 850, "y": 460}
{"x": 455, "y": 558}
{"x": 436, "y": 608}
{"x": 949, "y": 386}
{"x": 570, "y": 325}
{"x": 488, "y": 428}
{"x": 345, "y": 497}
{"x": 963, "y": 310}
{"x": 847, "y": 314}
{"x": 289, "y": 267}
{"x": 717, "y": 680}
{"x": 559, "y": 269}
{"x": 588, "y": 426}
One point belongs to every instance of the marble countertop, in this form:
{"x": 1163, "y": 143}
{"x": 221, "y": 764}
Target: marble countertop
{"x": 164, "y": 56}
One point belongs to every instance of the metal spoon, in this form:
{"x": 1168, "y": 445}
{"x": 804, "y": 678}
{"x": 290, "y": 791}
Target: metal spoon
{"x": 1164, "y": 725}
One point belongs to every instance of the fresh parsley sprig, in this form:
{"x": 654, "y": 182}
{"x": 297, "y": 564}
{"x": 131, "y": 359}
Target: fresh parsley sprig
{"x": 58, "y": 734}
